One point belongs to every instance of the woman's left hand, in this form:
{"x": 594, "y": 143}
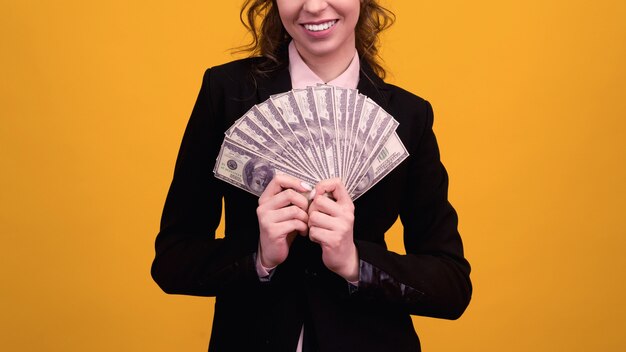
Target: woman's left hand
{"x": 331, "y": 223}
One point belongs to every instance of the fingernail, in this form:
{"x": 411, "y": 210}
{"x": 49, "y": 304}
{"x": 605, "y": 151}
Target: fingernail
{"x": 306, "y": 186}
{"x": 312, "y": 194}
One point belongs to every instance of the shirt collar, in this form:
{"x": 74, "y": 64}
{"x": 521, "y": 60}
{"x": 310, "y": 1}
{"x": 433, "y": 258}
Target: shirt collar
{"x": 302, "y": 76}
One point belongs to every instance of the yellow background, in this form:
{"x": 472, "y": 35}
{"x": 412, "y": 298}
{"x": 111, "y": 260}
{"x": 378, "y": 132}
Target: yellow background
{"x": 530, "y": 105}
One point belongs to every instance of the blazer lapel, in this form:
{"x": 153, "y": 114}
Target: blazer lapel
{"x": 277, "y": 82}
{"x": 372, "y": 86}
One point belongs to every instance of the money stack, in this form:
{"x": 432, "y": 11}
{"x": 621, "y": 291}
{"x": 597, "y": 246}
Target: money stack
{"x": 312, "y": 134}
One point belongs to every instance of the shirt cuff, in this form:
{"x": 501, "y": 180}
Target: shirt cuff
{"x": 265, "y": 274}
{"x": 353, "y": 286}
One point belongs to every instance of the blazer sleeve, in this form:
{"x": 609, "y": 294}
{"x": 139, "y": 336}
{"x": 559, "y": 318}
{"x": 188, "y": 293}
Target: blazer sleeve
{"x": 189, "y": 259}
{"x": 432, "y": 279}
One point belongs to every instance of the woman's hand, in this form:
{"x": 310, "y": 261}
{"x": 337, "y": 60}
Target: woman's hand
{"x": 282, "y": 213}
{"x": 331, "y": 223}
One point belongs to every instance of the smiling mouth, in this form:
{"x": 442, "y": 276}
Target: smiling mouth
{"x": 320, "y": 27}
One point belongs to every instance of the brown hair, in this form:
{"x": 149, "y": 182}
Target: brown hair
{"x": 269, "y": 36}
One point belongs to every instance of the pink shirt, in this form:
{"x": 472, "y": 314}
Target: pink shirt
{"x": 302, "y": 76}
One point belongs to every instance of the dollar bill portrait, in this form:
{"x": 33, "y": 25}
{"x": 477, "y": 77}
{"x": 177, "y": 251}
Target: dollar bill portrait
{"x": 257, "y": 175}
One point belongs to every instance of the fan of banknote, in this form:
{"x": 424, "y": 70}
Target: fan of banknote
{"x": 313, "y": 134}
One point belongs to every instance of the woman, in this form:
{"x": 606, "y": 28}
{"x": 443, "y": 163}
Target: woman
{"x": 298, "y": 269}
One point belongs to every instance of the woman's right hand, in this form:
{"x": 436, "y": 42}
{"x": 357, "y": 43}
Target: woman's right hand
{"x": 282, "y": 213}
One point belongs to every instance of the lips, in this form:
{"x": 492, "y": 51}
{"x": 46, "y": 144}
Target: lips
{"x": 319, "y": 26}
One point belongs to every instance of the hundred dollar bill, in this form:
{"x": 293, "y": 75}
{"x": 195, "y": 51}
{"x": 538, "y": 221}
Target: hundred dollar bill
{"x": 248, "y": 170}
{"x": 325, "y": 106}
{"x": 352, "y": 102}
{"x": 341, "y": 108}
{"x": 250, "y": 143}
{"x": 353, "y": 123}
{"x": 389, "y": 157}
{"x": 363, "y": 125}
{"x": 384, "y": 125}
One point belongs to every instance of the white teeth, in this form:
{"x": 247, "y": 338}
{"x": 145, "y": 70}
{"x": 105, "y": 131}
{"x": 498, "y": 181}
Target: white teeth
{"x": 319, "y": 27}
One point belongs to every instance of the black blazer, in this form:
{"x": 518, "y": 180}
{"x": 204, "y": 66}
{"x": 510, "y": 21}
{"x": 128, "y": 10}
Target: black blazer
{"x": 431, "y": 280}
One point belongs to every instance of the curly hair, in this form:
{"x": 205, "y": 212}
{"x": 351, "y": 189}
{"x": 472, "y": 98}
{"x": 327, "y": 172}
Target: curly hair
{"x": 269, "y": 37}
